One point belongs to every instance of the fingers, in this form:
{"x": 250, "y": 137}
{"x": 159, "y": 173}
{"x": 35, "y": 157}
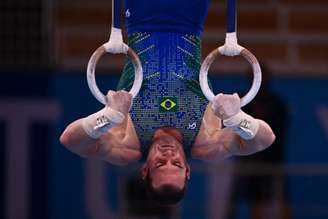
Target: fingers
{"x": 119, "y": 100}
{"x": 109, "y": 97}
{"x": 119, "y": 96}
{"x": 221, "y": 98}
{"x": 226, "y": 105}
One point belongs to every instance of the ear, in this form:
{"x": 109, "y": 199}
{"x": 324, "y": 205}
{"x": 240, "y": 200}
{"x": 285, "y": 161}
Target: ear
{"x": 144, "y": 171}
{"x": 188, "y": 171}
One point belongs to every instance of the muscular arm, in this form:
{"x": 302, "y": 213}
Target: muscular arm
{"x": 75, "y": 139}
{"x": 118, "y": 145}
{"x": 214, "y": 143}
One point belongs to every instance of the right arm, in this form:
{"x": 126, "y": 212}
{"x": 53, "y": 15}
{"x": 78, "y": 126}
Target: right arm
{"x": 75, "y": 139}
{"x": 118, "y": 145}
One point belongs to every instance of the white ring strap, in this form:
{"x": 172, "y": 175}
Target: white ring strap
{"x": 256, "y": 75}
{"x": 138, "y": 77}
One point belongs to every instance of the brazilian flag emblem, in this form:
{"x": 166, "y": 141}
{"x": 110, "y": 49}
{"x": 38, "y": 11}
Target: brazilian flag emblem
{"x": 168, "y": 104}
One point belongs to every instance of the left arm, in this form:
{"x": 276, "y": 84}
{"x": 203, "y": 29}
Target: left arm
{"x": 216, "y": 143}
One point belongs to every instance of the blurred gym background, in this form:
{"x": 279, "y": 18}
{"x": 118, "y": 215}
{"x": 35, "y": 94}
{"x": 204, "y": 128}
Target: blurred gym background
{"x": 44, "y": 49}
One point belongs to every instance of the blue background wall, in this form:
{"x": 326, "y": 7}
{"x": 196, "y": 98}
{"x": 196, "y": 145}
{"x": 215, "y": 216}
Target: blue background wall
{"x": 59, "y": 174}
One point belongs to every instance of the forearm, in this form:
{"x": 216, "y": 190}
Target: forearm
{"x": 262, "y": 140}
{"x": 108, "y": 134}
{"x": 85, "y": 132}
{"x": 215, "y": 144}
{"x": 75, "y": 139}
{"x": 83, "y": 135}
{"x": 242, "y": 135}
{"x": 118, "y": 146}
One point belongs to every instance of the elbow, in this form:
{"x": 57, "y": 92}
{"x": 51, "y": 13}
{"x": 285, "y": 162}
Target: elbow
{"x": 265, "y": 136}
{"x": 268, "y": 141}
{"x": 272, "y": 138}
{"x": 64, "y": 139}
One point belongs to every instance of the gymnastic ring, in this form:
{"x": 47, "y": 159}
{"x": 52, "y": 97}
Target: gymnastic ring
{"x": 257, "y": 77}
{"x": 138, "y": 77}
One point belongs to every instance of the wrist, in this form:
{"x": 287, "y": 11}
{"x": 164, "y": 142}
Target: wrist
{"x": 100, "y": 122}
{"x": 243, "y": 124}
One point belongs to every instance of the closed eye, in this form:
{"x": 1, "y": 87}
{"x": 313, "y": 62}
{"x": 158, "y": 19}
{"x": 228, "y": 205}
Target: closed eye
{"x": 178, "y": 164}
{"x": 159, "y": 164}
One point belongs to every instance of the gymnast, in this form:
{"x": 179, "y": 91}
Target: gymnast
{"x": 170, "y": 120}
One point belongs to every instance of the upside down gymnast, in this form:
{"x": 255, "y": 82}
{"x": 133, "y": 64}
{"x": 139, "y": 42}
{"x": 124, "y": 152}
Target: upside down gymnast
{"x": 170, "y": 120}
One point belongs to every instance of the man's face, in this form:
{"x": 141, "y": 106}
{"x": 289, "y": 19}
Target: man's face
{"x": 166, "y": 163}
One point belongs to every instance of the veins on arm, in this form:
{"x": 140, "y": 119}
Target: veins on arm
{"x": 121, "y": 145}
{"x": 214, "y": 143}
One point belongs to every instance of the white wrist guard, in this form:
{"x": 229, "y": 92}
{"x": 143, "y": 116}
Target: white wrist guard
{"x": 98, "y": 123}
{"x": 231, "y": 46}
{"x": 243, "y": 124}
{"x": 115, "y": 44}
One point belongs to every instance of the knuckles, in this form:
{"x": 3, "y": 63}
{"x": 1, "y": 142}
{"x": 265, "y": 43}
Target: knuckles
{"x": 119, "y": 100}
{"x": 222, "y": 100}
{"x": 119, "y": 95}
{"x": 226, "y": 105}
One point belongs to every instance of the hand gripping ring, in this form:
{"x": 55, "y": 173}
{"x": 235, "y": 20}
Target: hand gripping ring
{"x": 256, "y": 76}
{"x": 138, "y": 77}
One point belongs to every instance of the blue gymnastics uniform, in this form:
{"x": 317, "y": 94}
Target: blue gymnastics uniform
{"x": 166, "y": 36}
{"x": 183, "y": 16}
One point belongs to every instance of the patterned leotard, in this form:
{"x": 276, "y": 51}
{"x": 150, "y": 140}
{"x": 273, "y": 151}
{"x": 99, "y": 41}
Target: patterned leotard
{"x": 169, "y": 46}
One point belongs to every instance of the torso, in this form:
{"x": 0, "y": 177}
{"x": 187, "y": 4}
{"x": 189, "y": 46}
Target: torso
{"x": 170, "y": 95}
{"x": 166, "y": 36}
{"x": 125, "y": 135}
